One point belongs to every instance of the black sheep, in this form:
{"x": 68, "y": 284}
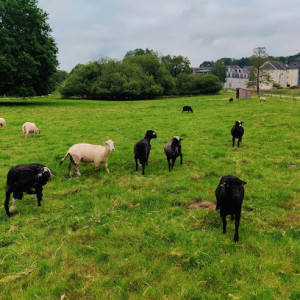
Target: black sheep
{"x": 142, "y": 149}
{"x": 230, "y": 195}
{"x": 237, "y": 132}
{"x": 187, "y": 108}
{"x": 173, "y": 150}
{"x": 231, "y": 100}
{"x": 25, "y": 178}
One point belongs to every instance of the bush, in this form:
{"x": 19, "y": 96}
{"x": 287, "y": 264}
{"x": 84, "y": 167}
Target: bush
{"x": 197, "y": 84}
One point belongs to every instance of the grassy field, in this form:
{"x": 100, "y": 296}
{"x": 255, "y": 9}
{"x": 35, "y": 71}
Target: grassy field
{"x": 123, "y": 235}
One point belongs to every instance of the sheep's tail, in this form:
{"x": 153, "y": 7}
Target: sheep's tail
{"x": 64, "y": 158}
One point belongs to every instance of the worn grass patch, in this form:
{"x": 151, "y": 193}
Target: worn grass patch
{"x": 124, "y": 235}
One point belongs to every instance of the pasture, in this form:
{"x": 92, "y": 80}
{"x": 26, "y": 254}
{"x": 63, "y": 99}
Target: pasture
{"x": 123, "y": 235}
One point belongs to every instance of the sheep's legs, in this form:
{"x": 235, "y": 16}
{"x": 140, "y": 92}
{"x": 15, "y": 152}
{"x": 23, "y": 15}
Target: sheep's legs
{"x": 39, "y": 196}
{"x": 14, "y": 204}
{"x": 106, "y": 167}
{"x": 77, "y": 170}
{"x": 224, "y": 223}
{"x": 239, "y": 141}
{"x": 70, "y": 168}
{"x": 169, "y": 164}
{"x": 181, "y": 159}
{"x": 143, "y": 164}
{"x": 136, "y": 164}
{"x": 237, "y": 224}
{"x": 6, "y": 203}
{"x": 233, "y": 142}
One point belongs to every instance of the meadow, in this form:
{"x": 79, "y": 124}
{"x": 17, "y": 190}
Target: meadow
{"x": 127, "y": 236}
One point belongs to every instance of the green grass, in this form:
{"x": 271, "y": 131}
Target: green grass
{"x": 122, "y": 235}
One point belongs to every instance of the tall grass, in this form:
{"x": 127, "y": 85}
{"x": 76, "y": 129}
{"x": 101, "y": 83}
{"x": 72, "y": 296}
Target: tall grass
{"x": 124, "y": 235}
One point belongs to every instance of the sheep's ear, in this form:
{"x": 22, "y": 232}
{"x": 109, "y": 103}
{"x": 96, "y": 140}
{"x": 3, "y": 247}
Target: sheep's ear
{"x": 243, "y": 182}
{"x": 153, "y": 132}
{"x": 223, "y": 184}
{"x": 181, "y": 139}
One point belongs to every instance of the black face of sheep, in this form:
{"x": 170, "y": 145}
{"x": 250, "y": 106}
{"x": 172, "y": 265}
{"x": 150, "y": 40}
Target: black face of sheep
{"x": 237, "y": 132}
{"x": 187, "y": 108}
{"x": 142, "y": 150}
{"x": 230, "y": 195}
{"x": 173, "y": 150}
{"x": 28, "y": 179}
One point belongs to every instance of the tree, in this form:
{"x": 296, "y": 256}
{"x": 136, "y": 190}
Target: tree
{"x": 219, "y": 69}
{"x": 258, "y": 58}
{"x": 139, "y": 51}
{"x": 177, "y": 64}
{"x": 27, "y": 52}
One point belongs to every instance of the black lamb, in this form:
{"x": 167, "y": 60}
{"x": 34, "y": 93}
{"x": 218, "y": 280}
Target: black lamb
{"x": 173, "y": 150}
{"x": 187, "y": 108}
{"x": 28, "y": 178}
{"x": 237, "y": 132}
{"x": 142, "y": 149}
{"x": 230, "y": 195}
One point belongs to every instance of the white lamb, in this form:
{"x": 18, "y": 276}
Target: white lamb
{"x": 89, "y": 153}
{"x": 2, "y": 122}
{"x": 30, "y": 128}
{"x": 262, "y": 98}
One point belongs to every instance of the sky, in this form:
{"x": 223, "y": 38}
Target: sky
{"x": 201, "y": 30}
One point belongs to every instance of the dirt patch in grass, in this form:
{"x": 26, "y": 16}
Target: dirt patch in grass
{"x": 292, "y": 166}
{"x": 202, "y": 205}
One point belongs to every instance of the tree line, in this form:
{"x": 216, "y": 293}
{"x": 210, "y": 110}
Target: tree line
{"x": 141, "y": 74}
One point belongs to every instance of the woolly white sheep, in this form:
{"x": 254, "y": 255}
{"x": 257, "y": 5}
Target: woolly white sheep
{"x": 2, "y": 122}
{"x": 30, "y": 128}
{"x": 89, "y": 153}
{"x": 262, "y": 98}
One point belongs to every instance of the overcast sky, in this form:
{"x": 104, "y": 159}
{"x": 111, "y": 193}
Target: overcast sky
{"x": 200, "y": 30}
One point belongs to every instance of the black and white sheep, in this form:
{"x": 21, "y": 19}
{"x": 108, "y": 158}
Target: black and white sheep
{"x": 237, "y": 132}
{"x": 28, "y": 178}
{"x": 230, "y": 195}
{"x": 173, "y": 150}
{"x": 142, "y": 149}
{"x": 187, "y": 108}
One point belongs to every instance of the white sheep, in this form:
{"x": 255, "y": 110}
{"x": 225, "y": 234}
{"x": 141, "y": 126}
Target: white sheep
{"x": 2, "y": 122}
{"x": 262, "y": 98}
{"x": 89, "y": 153}
{"x": 30, "y": 128}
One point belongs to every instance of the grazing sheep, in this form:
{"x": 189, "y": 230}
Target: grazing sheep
{"x": 89, "y": 153}
{"x": 2, "y": 123}
{"x": 142, "y": 150}
{"x": 262, "y": 98}
{"x": 30, "y": 128}
{"x": 237, "y": 132}
{"x": 230, "y": 195}
{"x": 231, "y": 100}
{"x": 173, "y": 150}
{"x": 28, "y": 178}
{"x": 187, "y": 108}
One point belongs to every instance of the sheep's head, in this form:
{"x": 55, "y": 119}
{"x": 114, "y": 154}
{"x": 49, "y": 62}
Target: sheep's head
{"x": 150, "y": 134}
{"x": 234, "y": 188}
{"x": 239, "y": 123}
{"x": 111, "y": 145}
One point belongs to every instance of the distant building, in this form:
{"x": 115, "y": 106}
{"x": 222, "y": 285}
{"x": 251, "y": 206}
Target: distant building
{"x": 237, "y": 77}
{"x": 201, "y": 70}
{"x": 281, "y": 74}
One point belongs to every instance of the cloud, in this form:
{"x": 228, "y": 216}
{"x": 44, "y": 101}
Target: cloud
{"x": 198, "y": 29}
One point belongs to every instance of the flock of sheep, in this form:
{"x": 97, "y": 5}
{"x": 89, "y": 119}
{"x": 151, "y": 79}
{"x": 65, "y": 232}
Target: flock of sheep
{"x": 30, "y": 178}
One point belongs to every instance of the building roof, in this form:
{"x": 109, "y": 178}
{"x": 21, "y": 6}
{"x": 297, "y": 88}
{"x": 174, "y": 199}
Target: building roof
{"x": 278, "y": 65}
{"x": 294, "y": 65}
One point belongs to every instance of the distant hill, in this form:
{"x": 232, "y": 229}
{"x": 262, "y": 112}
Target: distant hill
{"x": 245, "y": 61}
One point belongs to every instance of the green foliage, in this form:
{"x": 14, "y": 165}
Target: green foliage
{"x": 109, "y": 79}
{"x": 139, "y": 52}
{"x": 219, "y": 69}
{"x": 58, "y": 78}
{"x": 27, "y": 52}
{"x": 126, "y": 236}
{"x": 177, "y": 64}
{"x": 197, "y": 84}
